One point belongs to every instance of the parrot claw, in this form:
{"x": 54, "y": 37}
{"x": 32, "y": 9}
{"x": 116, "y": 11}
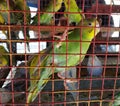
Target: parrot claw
{"x": 62, "y": 37}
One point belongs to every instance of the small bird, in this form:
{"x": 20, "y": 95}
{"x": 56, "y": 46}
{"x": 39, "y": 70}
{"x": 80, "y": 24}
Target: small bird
{"x": 60, "y": 62}
{"x": 77, "y": 14}
{"x": 72, "y": 18}
{"x": 47, "y": 17}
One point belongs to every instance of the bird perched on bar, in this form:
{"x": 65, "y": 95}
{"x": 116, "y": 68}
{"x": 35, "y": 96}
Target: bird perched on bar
{"x": 60, "y": 62}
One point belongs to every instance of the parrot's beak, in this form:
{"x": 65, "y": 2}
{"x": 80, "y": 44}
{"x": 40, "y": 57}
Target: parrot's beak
{"x": 97, "y": 26}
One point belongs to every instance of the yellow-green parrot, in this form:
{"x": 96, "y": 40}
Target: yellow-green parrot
{"x": 73, "y": 15}
{"x": 77, "y": 15}
{"x": 46, "y": 18}
{"x": 62, "y": 58}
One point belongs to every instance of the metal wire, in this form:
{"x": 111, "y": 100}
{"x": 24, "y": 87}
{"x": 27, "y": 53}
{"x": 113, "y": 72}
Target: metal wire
{"x": 93, "y": 91}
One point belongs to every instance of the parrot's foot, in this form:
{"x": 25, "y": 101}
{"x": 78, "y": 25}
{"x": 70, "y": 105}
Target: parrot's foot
{"x": 62, "y": 37}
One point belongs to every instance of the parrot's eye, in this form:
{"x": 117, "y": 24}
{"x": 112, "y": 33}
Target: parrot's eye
{"x": 90, "y": 24}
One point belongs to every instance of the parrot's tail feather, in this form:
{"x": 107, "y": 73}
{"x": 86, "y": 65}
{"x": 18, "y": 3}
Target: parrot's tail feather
{"x": 34, "y": 92}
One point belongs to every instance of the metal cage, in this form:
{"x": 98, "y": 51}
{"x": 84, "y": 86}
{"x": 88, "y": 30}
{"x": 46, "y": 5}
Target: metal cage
{"x": 95, "y": 80}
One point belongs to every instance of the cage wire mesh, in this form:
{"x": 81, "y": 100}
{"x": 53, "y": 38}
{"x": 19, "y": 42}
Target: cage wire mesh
{"x": 47, "y": 55}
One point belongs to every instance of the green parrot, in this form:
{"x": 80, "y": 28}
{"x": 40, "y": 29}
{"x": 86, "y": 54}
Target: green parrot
{"x": 73, "y": 17}
{"x": 23, "y": 18}
{"x": 4, "y": 58}
{"x": 47, "y": 18}
{"x": 56, "y": 61}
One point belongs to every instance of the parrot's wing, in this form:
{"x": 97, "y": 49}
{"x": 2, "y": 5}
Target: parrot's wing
{"x": 41, "y": 78}
{"x": 34, "y": 90}
{"x": 35, "y": 62}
